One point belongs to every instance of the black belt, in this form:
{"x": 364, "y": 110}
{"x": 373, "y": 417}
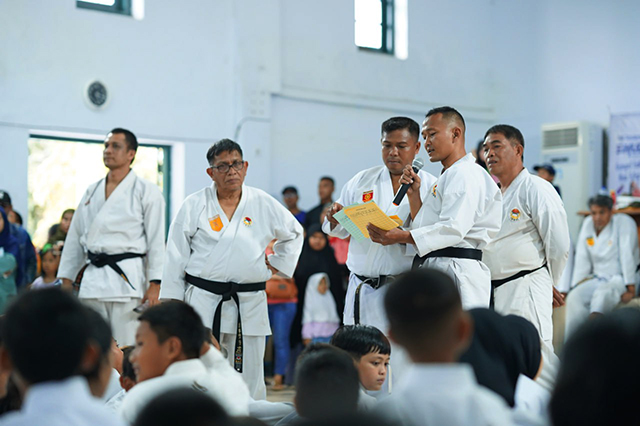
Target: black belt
{"x": 455, "y": 252}
{"x": 100, "y": 260}
{"x": 375, "y": 283}
{"x": 497, "y": 283}
{"x": 228, "y": 291}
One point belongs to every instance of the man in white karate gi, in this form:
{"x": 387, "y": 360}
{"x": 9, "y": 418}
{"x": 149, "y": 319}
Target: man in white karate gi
{"x": 529, "y": 254}
{"x": 606, "y": 263}
{"x": 460, "y": 215}
{"x": 115, "y": 244}
{"x": 215, "y": 259}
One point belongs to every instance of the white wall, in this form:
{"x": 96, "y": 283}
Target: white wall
{"x": 284, "y": 77}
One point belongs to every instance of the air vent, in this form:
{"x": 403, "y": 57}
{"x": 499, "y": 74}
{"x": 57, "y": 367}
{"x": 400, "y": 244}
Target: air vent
{"x": 560, "y": 138}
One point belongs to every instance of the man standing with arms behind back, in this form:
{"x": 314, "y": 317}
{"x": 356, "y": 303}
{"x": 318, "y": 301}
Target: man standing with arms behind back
{"x": 216, "y": 259}
{"x": 115, "y": 244}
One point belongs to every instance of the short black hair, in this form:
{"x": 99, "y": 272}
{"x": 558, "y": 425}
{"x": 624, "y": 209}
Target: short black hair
{"x": 101, "y": 336}
{"x": 223, "y": 145}
{"x": 599, "y": 365}
{"x": 509, "y": 132}
{"x": 179, "y": 319}
{"x": 401, "y": 123}
{"x": 359, "y": 340}
{"x": 327, "y": 384}
{"x": 129, "y": 137}
{"x": 47, "y": 322}
{"x": 290, "y": 189}
{"x": 330, "y": 179}
{"x": 127, "y": 367}
{"x": 419, "y": 305}
{"x": 447, "y": 113}
{"x": 602, "y": 201}
{"x": 183, "y": 406}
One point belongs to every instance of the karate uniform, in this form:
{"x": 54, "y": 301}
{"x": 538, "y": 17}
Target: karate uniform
{"x": 463, "y": 210}
{"x": 443, "y": 394}
{"x": 604, "y": 265}
{"x": 368, "y": 259}
{"x": 193, "y": 374}
{"x": 63, "y": 403}
{"x": 534, "y": 233}
{"x": 131, "y": 220}
{"x": 204, "y": 243}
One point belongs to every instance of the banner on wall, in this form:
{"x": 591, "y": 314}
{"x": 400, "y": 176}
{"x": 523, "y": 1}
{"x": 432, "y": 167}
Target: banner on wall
{"x": 624, "y": 154}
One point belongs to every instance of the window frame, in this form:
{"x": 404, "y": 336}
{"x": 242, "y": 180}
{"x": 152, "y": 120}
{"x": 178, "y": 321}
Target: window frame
{"x": 120, "y": 7}
{"x": 387, "y": 30}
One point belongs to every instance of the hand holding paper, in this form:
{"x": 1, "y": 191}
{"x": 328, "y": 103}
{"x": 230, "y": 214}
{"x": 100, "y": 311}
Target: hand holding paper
{"x": 355, "y": 218}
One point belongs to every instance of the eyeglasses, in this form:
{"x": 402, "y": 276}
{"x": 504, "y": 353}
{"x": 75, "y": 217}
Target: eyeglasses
{"x": 224, "y": 168}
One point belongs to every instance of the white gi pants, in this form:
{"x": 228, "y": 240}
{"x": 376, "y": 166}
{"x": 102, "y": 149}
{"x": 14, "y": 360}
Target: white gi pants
{"x": 472, "y": 278}
{"x": 253, "y": 349}
{"x": 598, "y": 294}
{"x": 120, "y": 316}
{"x": 372, "y": 313}
{"x": 531, "y": 297}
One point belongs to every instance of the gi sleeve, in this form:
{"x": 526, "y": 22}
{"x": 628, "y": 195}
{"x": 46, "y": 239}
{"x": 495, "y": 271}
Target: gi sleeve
{"x": 582, "y": 267}
{"x": 290, "y": 236}
{"x": 345, "y": 199}
{"x": 178, "y": 249}
{"x": 628, "y": 247}
{"x": 153, "y": 218}
{"x": 550, "y": 218}
{"x": 73, "y": 256}
{"x": 457, "y": 217}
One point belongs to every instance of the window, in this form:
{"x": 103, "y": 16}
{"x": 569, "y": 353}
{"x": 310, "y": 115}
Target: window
{"x": 61, "y": 169}
{"x": 374, "y": 25}
{"x": 122, "y": 7}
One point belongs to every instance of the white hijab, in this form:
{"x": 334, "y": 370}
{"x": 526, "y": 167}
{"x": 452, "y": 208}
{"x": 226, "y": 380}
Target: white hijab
{"x": 319, "y": 307}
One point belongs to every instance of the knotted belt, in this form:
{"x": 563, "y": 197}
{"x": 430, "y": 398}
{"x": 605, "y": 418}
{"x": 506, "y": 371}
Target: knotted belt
{"x": 497, "y": 283}
{"x": 100, "y": 260}
{"x": 375, "y": 283}
{"x": 455, "y": 252}
{"x": 228, "y": 291}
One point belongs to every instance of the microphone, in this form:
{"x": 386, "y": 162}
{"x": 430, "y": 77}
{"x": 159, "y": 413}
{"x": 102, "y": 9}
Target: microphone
{"x": 417, "y": 164}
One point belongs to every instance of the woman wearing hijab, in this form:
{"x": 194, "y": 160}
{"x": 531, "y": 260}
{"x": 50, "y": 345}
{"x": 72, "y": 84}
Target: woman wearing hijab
{"x": 317, "y": 256}
{"x": 502, "y": 349}
{"x": 9, "y": 258}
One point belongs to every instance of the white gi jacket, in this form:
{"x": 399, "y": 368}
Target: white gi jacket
{"x": 534, "y": 230}
{"x": 443, "y": 394}
{"x": 233, "y": 253}
{"x": 367, "y": 258}
{"x": 463, "y": 209}
{"x": 65, "y": 403}
{"x": 130, "y": 220}
{"x": 612, "y": 253}
{"x": 193, "y": 374}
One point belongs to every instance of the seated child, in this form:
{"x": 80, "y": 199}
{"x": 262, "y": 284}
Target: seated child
{"x": 50, "y": 259}
{"x": 320, "y": 313}
{"x": 370, "y": 350}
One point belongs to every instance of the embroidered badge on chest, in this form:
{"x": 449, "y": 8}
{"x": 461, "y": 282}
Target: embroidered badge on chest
{"x": 247, "y": 221}
{"x": 367, "y": 196}
{"x": 515, "y": 214}
{"x": 433, "y": 191}
{"x": 590, "y": 241}
{"x": 215, "y": 223}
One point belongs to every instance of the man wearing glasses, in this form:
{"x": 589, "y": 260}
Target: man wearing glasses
{"x": 215, "y": 259}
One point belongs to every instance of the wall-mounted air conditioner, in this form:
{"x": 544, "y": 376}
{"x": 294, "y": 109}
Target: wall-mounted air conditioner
{"x": 575, "y": 151}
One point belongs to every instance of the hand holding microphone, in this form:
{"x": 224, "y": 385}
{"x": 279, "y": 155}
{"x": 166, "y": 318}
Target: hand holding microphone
{"x": 409, "y": 179}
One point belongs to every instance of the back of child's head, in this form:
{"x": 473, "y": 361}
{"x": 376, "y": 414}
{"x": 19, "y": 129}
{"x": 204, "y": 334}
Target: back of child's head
{"x": 327, "y": 383}
{"x": 176, "y": 318}
{"x": 127, "y": 367}
{"x": 425, "y": 314}
{"x": 359, "y": 340}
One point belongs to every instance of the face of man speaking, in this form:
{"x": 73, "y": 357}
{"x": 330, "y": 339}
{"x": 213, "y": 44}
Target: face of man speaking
{"x": 399, "y": 148}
